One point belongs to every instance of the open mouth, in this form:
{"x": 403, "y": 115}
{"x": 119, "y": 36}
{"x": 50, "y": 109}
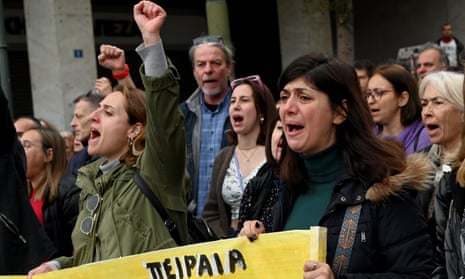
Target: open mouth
{"x": 294, "y": 128}
{"x": 208, "y": 81}
{"x": 432, "y": 127}
{"x": 94, "y": 134}
{"x": 237, "y": 119}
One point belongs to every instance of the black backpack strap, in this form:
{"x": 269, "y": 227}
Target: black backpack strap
{"x": 169, "y": 223}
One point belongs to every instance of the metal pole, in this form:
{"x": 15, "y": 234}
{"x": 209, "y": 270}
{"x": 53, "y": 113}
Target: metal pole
{"x": 4, "y": 69}
{"x": 218, "y": 21}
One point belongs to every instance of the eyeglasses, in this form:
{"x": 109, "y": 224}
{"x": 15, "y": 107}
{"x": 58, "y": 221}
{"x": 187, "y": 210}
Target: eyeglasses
{"x": 376, "y": 93}
{"x": 87, "y": 223}
{"x": 215, "y": 39}
{"x": 26, "y": 143}
{"x": 254, "y": 78}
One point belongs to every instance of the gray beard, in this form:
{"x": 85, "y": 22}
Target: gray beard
{"x": 212, "y": 93}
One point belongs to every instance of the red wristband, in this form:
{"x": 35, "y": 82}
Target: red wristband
{"x": 122, "y": 74}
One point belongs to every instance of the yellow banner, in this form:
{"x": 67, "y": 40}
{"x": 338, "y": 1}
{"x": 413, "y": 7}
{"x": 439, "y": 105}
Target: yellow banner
{"x": 272, "y": 255}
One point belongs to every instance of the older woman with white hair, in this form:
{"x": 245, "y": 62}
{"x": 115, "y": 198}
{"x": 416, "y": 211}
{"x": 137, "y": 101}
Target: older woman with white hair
{"x": 449, "y": 201}
{"x": 442, "y": 113}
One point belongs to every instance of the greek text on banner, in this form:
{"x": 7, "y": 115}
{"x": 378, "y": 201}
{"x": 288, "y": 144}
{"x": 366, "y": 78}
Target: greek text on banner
{"x": 272, "y": 255}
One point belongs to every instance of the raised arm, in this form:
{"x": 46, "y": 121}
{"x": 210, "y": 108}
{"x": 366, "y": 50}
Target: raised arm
{"x": 149, "y": 18}
{"x": 164, "y": 120}
{"x": 113, "y": 58}
{"x": 163, "y": 159}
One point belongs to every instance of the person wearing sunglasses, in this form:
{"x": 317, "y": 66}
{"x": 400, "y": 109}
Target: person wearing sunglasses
{"x": 206, "y": 118}
{"x": 357, "y": 185}
{"x": 251, "y": 114}
{"x": 132, "y": 131}
{"x": 395, "y": 107}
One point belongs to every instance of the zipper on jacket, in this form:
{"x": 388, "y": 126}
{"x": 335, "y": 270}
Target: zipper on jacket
{"x": 363, "y": 237}
{"x": 12, "y": 227}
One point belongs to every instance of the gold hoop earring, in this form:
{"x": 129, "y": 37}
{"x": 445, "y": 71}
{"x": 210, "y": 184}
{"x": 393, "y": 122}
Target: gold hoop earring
{"x": 134, "y": 151}
{"x": 130, "y": 141}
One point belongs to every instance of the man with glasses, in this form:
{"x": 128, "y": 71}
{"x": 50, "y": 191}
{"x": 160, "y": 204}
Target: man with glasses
{"x": 206, "y": 113}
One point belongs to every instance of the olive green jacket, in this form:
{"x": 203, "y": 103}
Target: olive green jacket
{"x": 125, "y": 221}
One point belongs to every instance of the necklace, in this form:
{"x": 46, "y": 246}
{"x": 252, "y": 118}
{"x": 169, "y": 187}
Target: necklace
{"x": 247, "y": 158}
{"x": 247, "y": 147}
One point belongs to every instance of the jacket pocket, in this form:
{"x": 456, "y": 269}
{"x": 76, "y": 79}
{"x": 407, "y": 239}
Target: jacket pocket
{"x": 124, "y": 231}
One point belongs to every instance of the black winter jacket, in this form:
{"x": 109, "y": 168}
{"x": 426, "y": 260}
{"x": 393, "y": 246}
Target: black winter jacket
{"x": 392, "y": 240}
{"x": 449, "y": 213}
{"x": 23, "y": 242}
{"x": 60, "y": 215}
{"x": 259, "y": 197}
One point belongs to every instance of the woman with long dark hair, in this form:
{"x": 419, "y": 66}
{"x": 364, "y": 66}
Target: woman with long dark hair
{"x": 360, "y": 187}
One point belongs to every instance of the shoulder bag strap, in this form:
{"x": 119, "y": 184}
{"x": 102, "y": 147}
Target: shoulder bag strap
{"x": 346, "y": 240}
{"x": 169, "y": 223}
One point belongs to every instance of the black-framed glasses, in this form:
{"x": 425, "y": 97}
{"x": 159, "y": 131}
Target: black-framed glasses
{"x": 215, "y": 39}
{"x": 376, "y": 93}
{"x": 87, "y": 224}
{"x": 253, "y": 78}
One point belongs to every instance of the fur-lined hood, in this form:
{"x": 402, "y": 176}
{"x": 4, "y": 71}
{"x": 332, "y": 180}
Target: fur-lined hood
{"x": 418, "y": 175}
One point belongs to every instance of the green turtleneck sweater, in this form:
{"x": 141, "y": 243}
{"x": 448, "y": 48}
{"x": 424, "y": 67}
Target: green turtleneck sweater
{"x": 323, "y": 170}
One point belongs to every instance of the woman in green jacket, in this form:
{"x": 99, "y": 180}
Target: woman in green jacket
{"x": 116, "y": 219}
